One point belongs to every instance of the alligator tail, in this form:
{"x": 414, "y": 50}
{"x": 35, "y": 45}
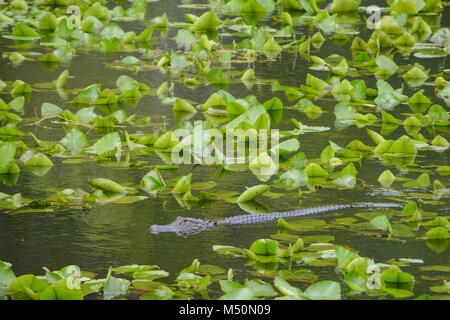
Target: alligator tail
{"x": 263, "y": 217}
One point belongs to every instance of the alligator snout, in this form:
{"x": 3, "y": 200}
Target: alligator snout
{"x": 155, "y": 229}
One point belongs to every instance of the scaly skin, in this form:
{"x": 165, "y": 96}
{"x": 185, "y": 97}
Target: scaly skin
{"x": 188, "y": 226}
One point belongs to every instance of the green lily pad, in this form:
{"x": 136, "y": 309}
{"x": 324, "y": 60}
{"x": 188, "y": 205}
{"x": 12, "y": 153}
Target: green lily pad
{"x": 39, "y": 160}
{"x": 324, "y": 290}
{"x": 253, "y": 192}
{"x": 285, "y": 288}
{"x": 114, "y": 286}
{"x": 422, "y": 181}
{"x": 438, "y": 233}
{"x": 6, "y": 274}
{"x": 307, "y": 224}
{"x": 75, "y": 141}
{"x": 181, "y": 105}
{"x": 386, "y": 178}
{"x": 394, "y": 275}
{"x": 315, "y": 171}
{"x": 436, "y": 268}
{"x": 238, "y": 294}
{"x": 153, "y": 181}
{"x": 207, "y": 21}
{"x": 108, "y": 143}
{"x": 183, "y": 184}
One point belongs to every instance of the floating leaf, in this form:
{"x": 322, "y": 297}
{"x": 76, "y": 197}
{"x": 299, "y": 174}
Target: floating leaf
{"x": 248, "y": 75}
{"x": 422, "y": 181}
{"x": 183, "y": 185}
{"x": 394, "y": 275}
{"x": 7, "y": 153}
{"x": 26, "y": 287}
{"x": 265, "y": 247}
{"x": 343, "y": 111}
{"x": 11, "y": 202}
{"x": 324, "y": 290}
{"x": 440, "y": 142}
{"x": 346, "y": 181}
{"x": 62, "y": 79}
{"x": 86, "y": 115}
{"x": 238, "y": 294}
{"x": 344, "y": 5}
{"x": 22, "y": 31}
{"x": 294, "y": 178}
{"x": 260, "y": 288}
{"x": 415, "y": 73}
{"x": 253, "y": 192}
{"x": 107, "y": 143}
{"x": 207, "y": 21}
{"x": 285, "y": 288}
{"x": 20, "y": 88}
{"x": 386, "y": 178}
{"x": 355, "y": 280}
{"x": 74, "y": 140}
{"x": 271, "y": 48}
{"x": 153, "y": 181}
{"x": 386, "y": 65}
{"x": 114, "y": 286}
{"x": 6, "y": 274}
{"x": 145, "y": 36}
{"x": 107, "y": 185}
{"x": 216, "y": 78}
{"x": 404, "y": 6}
{"x": 316, "y": 171}
{"x": 48, "y": 22}
{"x": 419, "y": 103}
{"x": 282, "y": 224}
{"x": 307, "y": 224}
{"x": 436, "y": 268}
{"x": 382, "y": 223}
{"x": 438, "y": 233}
{"x": 403, "y": 144}
{"x": 181, "y": 105}
{"x": 39, "y": 160}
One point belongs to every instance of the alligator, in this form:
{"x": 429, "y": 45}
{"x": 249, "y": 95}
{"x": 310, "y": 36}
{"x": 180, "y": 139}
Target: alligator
{"x": 188, "y": 226}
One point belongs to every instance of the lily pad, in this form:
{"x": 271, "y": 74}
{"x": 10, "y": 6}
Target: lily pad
{"x": 253, "y": 192}
{"x": 107, "y": 185}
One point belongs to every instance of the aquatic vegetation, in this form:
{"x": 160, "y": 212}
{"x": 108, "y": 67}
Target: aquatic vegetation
{"x": 360, "y": 275}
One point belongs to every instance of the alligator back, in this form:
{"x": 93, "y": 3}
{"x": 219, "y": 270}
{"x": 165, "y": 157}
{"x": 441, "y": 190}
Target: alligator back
{"x": 264, "y": 217}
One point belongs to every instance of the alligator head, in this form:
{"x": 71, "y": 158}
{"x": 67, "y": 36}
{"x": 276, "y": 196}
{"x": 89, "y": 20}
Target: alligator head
{"x": 184, "y": 226}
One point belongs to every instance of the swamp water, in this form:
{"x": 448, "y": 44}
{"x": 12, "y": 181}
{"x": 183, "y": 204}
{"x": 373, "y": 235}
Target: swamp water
{"x": 107, "y": 229}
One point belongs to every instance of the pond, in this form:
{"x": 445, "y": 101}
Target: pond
{"x": 364, "y": 117}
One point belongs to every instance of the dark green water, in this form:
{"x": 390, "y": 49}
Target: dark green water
{"x": 117, "y": 234}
